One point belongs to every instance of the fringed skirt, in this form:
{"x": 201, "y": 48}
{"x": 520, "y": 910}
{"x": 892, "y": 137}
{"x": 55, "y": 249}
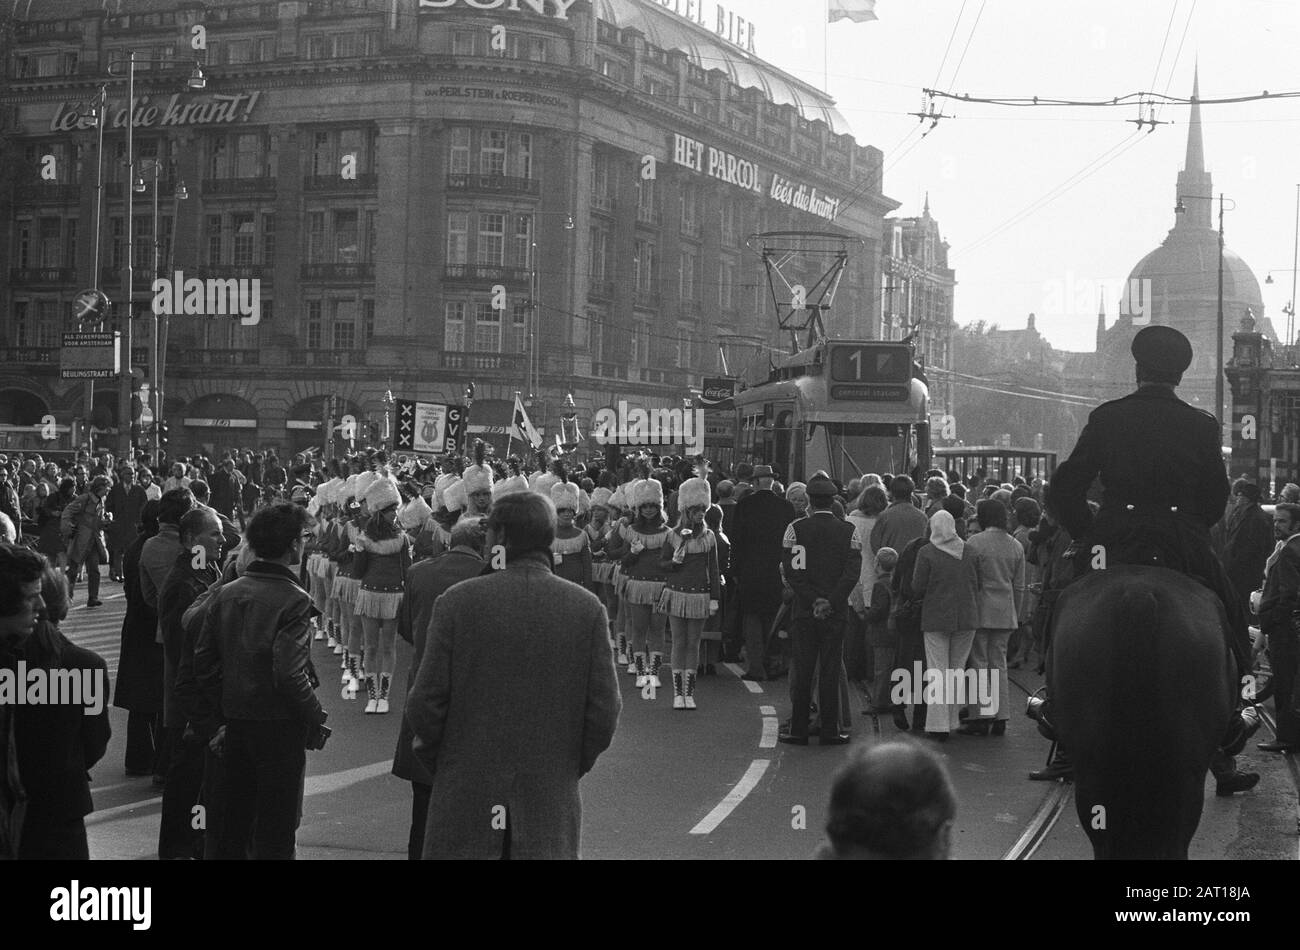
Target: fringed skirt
{"x": 690, "y": 605}
{"x": 345, "y": 589}
{"x": 646, "y": 593}
{"x": 378, "y": 604}
{"x": 313, "y": 565}
{"x": 618, "y": 579}
{"x": 602, "y": 572}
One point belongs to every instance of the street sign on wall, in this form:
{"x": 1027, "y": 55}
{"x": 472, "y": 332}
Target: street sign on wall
{"x": 428, "y": 427}
{"x": 90, "y": 356}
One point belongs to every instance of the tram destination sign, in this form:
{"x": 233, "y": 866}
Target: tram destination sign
{"x": 870, "y": 393}
{"x": 871, "y": 363}
{"x": 90, "y": 356}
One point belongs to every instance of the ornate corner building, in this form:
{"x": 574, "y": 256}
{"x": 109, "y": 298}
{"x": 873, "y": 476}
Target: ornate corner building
{"x": 536, "y": 196}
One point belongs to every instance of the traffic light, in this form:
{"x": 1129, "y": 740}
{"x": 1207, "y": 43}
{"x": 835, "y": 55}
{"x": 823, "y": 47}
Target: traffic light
{"x": 137, "y": 434}
{"x": 162, "y": 434}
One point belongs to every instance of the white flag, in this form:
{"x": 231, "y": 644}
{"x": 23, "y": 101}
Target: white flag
{"x": 522, "y": 426}
{"x": 859, "y": 11}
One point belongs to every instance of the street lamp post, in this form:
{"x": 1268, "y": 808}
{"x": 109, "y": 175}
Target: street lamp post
{"x": 1180, "y": 208}
{"x": 196, "y": 82}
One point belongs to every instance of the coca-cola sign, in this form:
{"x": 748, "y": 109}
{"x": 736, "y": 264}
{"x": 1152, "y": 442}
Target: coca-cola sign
{"x": 179, "y": 110}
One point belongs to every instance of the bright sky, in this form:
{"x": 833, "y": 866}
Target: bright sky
{"x": 1113, "y": 187}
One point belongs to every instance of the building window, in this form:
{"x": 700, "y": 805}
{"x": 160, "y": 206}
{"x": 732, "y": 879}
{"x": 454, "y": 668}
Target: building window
{"x": 453, "y": 334}
{"x": 311, "y": 325}
{"x": 462, "y": 43}
{"x": 690, "y": 210}
{"x": 268, "y": 238}
{"x": 368, "y": 320}
{"x": 460, "y": 150}
{"x": 726, "y": 284}
{"x": 524, "y": 156}
{"x": 70, "y": 242}
{"x": 647, "y": 208}
{"x": 687, "y": 282}
{"x": 487, "y": 329}
{"x": 596, "y": 335}
{"x": 244, "y": 232}
{"x": 644, "y": 266}
{"x": 537, "y": 49}
{"x": 218, "y": 162}
{"x": 248, "y": 156}
{"x": 729, "y": 215}
{"x": 492, "y": 154}
{"x": 457, "y": 238}
{"x": 24, "y": 242}
{"x": 144, "y": 247}
{"x": 21, "y": 326}
{"x": 330, "y": 146}
{"x": 345, "y": 324}
{"x": 519, "y": 330}
{"x": 51, "y": 243}
{"x": 316, "y": 237}
{"x": 601, "y": 180}
{"x": 50, "y": 326}
{"x": 640, "y": 349}
{"x": 599, "y": 250}
{"x": 213, "y": 230}
{"x": 346, "y": 247}
{"x": 492, "y": 239}
{"x": 683, "y": 346}
{"x": 117, "y": 232}
{"x": 524, "y": 241}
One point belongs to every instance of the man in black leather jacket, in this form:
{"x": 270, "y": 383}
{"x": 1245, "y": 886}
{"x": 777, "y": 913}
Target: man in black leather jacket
{"x": 253, "y": 666}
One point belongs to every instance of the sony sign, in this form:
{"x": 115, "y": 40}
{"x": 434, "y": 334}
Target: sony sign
{"x": 557, "y": 8}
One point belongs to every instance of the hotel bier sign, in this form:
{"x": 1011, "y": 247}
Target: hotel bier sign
{"x": 735, "y": 29}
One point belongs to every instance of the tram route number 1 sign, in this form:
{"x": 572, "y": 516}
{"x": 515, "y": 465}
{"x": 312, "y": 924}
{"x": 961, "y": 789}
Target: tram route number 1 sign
{"x": 429, "y": 427}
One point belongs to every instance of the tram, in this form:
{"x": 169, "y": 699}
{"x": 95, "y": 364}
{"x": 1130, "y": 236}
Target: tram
{"x": 999, "y": 463}
{"x": 847, "y": 407}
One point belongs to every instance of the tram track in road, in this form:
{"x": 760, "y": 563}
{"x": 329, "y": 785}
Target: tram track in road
{"x": 1044, "y": 819}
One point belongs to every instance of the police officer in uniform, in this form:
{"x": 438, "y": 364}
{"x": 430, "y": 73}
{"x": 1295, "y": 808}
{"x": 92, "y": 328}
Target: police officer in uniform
{"x": 1164, "y": 486}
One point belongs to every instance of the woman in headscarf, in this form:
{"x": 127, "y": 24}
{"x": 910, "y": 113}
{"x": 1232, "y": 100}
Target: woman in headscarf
{"x": 945, "y": 581}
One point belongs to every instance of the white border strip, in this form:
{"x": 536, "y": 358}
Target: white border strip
{"x": 768, "y": 741}
{"x": 747, "y": 783}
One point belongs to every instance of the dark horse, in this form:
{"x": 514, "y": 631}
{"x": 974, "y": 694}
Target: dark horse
{"x": 1141, "y": 680}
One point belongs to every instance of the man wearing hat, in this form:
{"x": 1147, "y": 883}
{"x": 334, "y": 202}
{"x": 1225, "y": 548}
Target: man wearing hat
{"x": 756, "y": 544}
{"x": 1164, "y": 486}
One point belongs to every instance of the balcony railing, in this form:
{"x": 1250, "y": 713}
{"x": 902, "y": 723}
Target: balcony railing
{"x": 327, "y": 357}
{"x": 11, "y": 355}
{"x": 203, "y": 357}
{"x": 238, "y": 271}
{"x": 45, "y": 193}
{"x": 609, "y": 370}
{"x": 367, "y": 182}
{"x": 509, "y": 363}
{"x": 603, "y": 289}
{"x": 166, "y": 188}
{"x": 485, "y": 272}
{"x": 494, "y": 184}
{"x": 344, "y": 272}
{"x": 651, "y": 216}
{"x": 42, "y": 275}
{"x": 48, "y": 30}
{"x": 662, "y": 377}
{"x": 238, "y": 186}
{"x": 603, "y": 203}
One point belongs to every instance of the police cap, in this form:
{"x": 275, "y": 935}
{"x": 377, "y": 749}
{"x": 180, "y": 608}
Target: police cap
{"x": 1162, "y": 349}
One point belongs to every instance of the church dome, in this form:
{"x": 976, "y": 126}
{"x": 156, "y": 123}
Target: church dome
{"x": 1186, "y": 267}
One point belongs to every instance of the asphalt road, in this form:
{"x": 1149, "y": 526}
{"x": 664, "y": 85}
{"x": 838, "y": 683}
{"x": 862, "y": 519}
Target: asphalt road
{"x": 710, "y": 784}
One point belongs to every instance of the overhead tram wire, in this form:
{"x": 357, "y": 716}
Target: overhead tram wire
{"x": 966, "y": 48}
{"x": 1094, "y": 166}
{"x": 1155, "y": 77}
{"x": 951, "y": 36}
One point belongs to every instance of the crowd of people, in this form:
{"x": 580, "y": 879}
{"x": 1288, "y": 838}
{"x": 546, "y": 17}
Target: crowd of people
{"x": 563, "y": 575}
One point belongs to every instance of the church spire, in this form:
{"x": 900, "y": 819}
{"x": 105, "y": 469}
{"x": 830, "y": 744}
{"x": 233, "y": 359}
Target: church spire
{"x": 1101, "y": 319}
{"x": 1194, "y": 180}
{"x": 926, "y": 210}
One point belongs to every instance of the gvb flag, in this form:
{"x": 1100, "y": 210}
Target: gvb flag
{"x": 522, "y": 428}
{"x": 859, "y": 11}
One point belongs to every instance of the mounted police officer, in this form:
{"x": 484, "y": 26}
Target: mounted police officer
{"x": 1164, "y": 485}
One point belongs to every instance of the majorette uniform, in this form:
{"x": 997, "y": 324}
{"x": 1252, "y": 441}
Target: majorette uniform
{"x": 571, "y": 552}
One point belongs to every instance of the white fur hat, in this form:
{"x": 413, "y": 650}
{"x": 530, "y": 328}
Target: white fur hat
{"x": 440, "y": 486}
{"x": 414, "y": 513}
{"x": 648, "y": 492}
{"x": 565, "y": 495}
{"x": 364, "y": 481}
{"x": 382, "y": 493}
{"x": 477, "y": 478}
{"x": 533, "y": 478}
{"x": 454, "y": 497}
{"x": 584, "y": 501}
{"x": 349, "y": 489}
{"x": 600, "y": 498}
{"x": 510, "y": 486}
{"x": 694, "y": 493}
{"x": 545, "y": 482}
{"x": 334, "y": 491}
{"x": 617, "y": 498}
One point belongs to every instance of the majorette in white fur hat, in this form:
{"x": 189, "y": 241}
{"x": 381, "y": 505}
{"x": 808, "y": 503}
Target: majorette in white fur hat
{"x": 414, "y": 513}
{"x": 478, "y": 477}
{"x": 618, "y": 498}
{"x": 440, "y": 486}
{"x": 584, "y": 501}
{"x": 382, "y": 493}
{"x": 694, "y": 493}
{"x": 565, "y": 495}
{"x": 514, "y": 484}
{"x": 600, "y": 498}
{"x": 648, "y": 492}
{"x": 454, "y": 497}
{"x": 364, "y": 481}
{"x": 349, "y": 489}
